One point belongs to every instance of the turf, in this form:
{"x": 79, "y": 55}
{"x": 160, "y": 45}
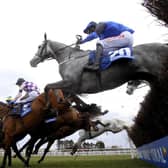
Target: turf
{"x": 85, "y": 162}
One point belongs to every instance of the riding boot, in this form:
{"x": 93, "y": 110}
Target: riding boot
{"x": 95, "y": 66}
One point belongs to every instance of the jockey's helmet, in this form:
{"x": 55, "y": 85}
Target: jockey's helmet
{"x": 90, "y": 27}
{"x": 20, "y": 81}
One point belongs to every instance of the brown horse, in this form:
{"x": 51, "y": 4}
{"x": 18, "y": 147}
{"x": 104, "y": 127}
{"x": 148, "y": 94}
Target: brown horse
{"x": 4, "y": 111}
{"x": 16, "y": 128}
{"x": 70, "y": 122}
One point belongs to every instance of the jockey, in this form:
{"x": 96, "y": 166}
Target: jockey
{"x": 112, "y": 36}
{"x": 31, "y": 92}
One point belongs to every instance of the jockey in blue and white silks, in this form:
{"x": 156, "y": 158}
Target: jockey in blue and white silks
{"x": 112, "y": 36}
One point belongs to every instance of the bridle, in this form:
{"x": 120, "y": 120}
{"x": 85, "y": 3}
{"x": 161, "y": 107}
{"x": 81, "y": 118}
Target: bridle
{"x": 51, "y": 54}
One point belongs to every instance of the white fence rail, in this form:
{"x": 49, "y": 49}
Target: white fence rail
{"x": 87, "y": 152}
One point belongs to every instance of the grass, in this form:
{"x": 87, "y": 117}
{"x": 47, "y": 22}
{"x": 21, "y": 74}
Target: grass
{"x": 85, "y": 162}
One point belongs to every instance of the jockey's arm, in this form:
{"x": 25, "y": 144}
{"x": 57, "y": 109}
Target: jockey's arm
{"x": 99, "y": 29}
{"x": 90, "y": 37}
{"x": 18, "y": 95}
{"x": 25, "y": 96}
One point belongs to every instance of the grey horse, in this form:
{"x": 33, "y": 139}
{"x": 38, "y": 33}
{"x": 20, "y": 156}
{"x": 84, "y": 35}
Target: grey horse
{"x": 104, "y": 125}
{"x": 146, "y": 65}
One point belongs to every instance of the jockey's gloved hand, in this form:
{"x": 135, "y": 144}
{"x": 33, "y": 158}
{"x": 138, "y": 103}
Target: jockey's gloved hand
{"x": 79, "y": 39}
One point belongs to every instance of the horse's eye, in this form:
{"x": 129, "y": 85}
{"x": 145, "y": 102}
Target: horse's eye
{"x": 39, "y": 47}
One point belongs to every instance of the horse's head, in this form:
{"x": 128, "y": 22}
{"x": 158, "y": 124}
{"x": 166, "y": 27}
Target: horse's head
{"x": 48, "y": 50}
{"x": 41, "y": 54}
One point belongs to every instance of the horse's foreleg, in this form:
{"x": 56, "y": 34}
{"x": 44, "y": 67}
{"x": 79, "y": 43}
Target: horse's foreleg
{"x": 6, "y": 153}
{"x": 79, "y": 142}
{"x": 10, "y": 158}
{"x": 105, "y": 112}
{"x": 66, "y": 86}
{"x": 30, "y": 148}
{"x": 38, "y": 145}
{"x": 14, "y": 147}
{"x": 102, "y": 124}
{"x": 74, "y": 148}
{"x": 50, "y": 142}
{"x": 22, "y": 148}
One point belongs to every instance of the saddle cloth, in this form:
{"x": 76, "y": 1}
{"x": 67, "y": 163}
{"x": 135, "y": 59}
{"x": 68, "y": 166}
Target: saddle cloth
{"x": 107, "y": 59}
{"x": 26, "y": 109}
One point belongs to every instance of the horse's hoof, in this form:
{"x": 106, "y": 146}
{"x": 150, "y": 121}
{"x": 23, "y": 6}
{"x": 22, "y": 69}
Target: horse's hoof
{"x": 105, "y": 112}
{"x": 26, "y": 164}
{"x": 39, "y": 161}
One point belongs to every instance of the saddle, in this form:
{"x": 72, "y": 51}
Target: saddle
{"x": 109, "y": 57}
{"x": 21, "y": 109}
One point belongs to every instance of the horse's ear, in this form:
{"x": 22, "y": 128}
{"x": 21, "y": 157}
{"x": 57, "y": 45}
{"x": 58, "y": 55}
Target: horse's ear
{"x": 45, "y": 36}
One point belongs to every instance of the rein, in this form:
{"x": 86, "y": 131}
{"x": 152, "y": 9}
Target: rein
{"x": 66, "y": 60}
{"x": 65, "y": 47}
{"x": 54, "y": 52}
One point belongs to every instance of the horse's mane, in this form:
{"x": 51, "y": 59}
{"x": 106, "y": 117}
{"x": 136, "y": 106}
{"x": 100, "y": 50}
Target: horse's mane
{"x": 74, "y": 49}
{"x": 151, "y": 121}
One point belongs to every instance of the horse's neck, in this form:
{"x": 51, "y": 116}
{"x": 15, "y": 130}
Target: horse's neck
{"x": 64, "y": 53}
{"x": 60, "y": 50}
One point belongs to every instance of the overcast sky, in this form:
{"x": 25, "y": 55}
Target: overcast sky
{"x": 24, "y": 22}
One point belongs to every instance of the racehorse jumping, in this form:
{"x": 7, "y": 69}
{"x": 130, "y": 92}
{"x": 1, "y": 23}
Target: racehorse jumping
{"x": 103, "y": 125}
{"x": 146, "y": 64}
{"x": 149, "y": 63}
{"x": 16, "y": 128}
{"x": 74, "y": 122}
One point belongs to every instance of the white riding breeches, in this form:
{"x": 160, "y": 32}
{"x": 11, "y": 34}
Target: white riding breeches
{"x": 31, "y": 96}
{"x": 125, "y": 39}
